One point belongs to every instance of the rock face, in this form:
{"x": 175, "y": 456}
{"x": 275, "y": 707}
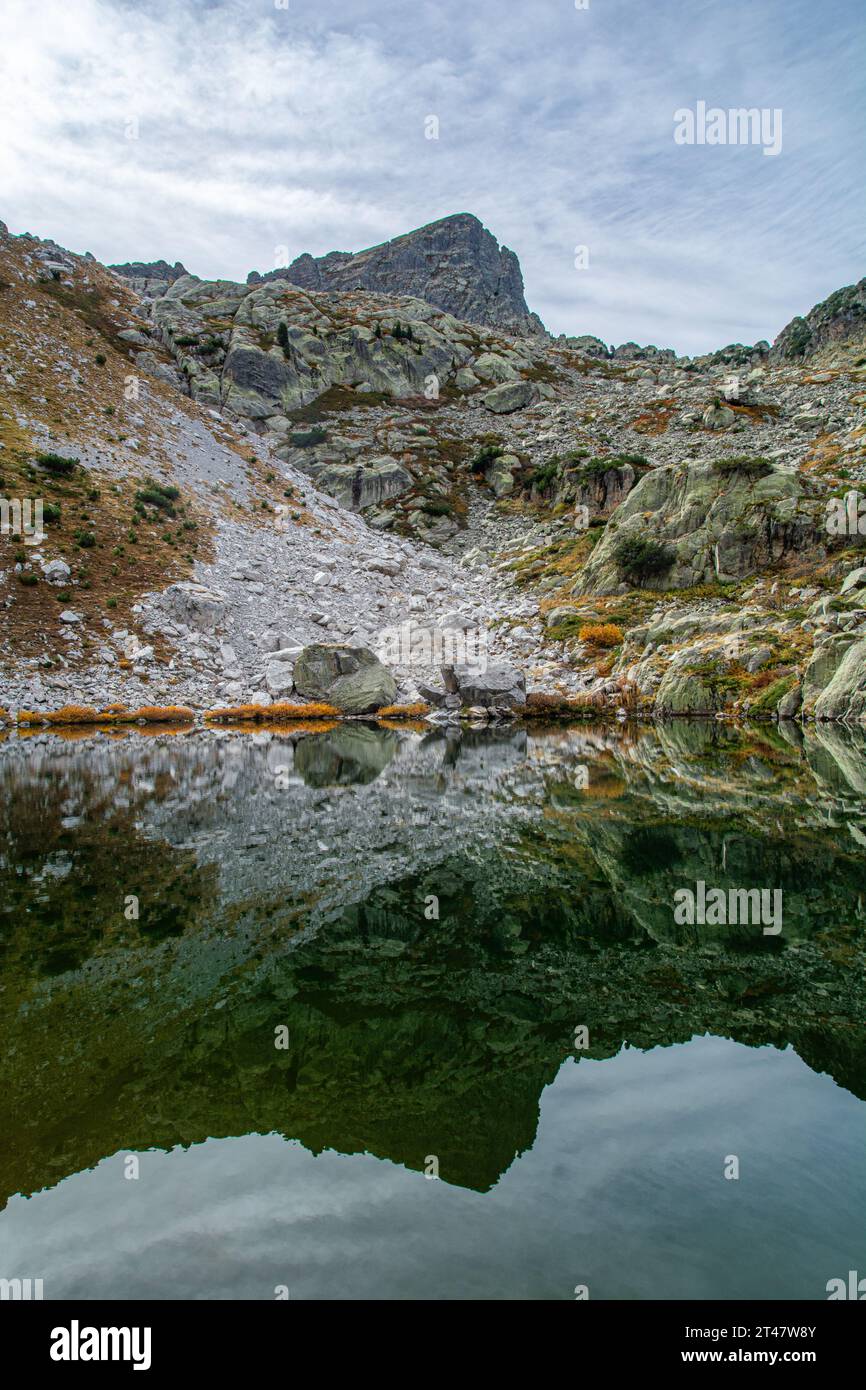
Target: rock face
{"x": 839, "y": 319}
{"x": 351, "y": 678}
{"x": 835, "y": 679}
{"x": 683, "y": 693}
{"x": 454, "y": 264}
{"x": 150, "y": 278}
{"x": 717, "y": 525}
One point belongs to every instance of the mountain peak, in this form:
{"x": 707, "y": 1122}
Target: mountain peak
{"x": 454, "y": 263}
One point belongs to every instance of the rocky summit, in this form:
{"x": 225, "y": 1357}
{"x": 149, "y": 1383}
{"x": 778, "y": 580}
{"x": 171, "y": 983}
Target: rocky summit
{"x": 372, "y": 480}
{"x": 454, "y": 264}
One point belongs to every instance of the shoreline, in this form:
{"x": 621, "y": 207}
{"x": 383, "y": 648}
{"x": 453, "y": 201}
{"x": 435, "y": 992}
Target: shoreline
{"x": 321, "y": 718}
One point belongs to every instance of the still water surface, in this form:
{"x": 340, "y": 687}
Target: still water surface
{"x": 287, "y": 889}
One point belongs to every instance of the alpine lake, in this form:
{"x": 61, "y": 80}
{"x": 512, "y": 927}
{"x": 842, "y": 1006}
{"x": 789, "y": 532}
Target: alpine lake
{"x": 409, "y": 1013}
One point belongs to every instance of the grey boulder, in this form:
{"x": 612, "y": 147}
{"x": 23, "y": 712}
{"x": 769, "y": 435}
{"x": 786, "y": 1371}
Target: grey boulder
{"x": 511, "y": 396}
{"x": 499, "y": 687}
{"x": 351, "y": 678}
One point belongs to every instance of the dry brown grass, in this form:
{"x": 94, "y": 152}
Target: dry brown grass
{"x": 267, "y": 714}
{"x": 601, "y": 634}
{"x": 68, "y": 714}
{"x": 416, "y": 711}
{"x": 417, "y": 726}
{"x": 111, "y": 714}
{"x": 155, "y": 714}
{"x": 541, "y": 706}
{"x": 656, "y": 419}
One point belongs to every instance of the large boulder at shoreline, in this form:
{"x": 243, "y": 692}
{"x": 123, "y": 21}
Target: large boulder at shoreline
{"x": 351, "y": 678}
{"x": 499, "y": 687}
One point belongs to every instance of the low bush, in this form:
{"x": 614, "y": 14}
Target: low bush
{"x": 308, "y": 439}
{"x": 753, "y": 467}
{"x": 639, "y": 557}
{"x": 601, "y": 634}
{"x": 57, "y": 463}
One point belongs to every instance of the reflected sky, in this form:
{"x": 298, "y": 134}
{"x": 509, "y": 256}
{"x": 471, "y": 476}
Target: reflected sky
{"x": 623, "y": 1190}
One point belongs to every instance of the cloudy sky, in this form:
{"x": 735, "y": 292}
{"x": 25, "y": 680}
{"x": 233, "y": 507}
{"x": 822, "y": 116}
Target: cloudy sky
{"x": 229, "y": 134}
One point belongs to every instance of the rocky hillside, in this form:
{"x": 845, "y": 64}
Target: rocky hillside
{"x": 455, "y": 264}
{"x": 836, "y": 321}
{"x": 233, "y": 472}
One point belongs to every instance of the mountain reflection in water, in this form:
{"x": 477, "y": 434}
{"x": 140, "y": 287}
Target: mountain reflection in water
{"x": 293, "y": 882}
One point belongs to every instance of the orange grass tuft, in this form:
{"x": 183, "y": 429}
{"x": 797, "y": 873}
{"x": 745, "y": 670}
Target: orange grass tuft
{"x": 261, "y": 714}
{"x": 601, "y": 634}
{"x": 416, "y": 711}
{"x": 111, "y": 714}
{"x": 539, "y": 704}
{"x": 156, "y": 714}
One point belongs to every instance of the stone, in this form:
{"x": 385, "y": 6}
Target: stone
{"x": 844, "y": 696}
{"x": 496, "y": 687}
{"x": 352, "y": 678}
{"x": 853, "y": 580}
{"x": 380, "y": 565}
{"x": 195, "y": 605}
{"x": 279, "y": 678}
{"x": 717, "y": 525}
{"x": 56, "y": 571}
{"x": 683, "y": 693}
{"x": 504, "y": 400}
{"x": 718, "y": 417}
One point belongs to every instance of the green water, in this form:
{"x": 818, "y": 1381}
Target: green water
{"x": 508, "y": 1070}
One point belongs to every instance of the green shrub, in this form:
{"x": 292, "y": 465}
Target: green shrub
{"x": 638, "y": 557}
{"x": 100, "y": 359}
{"x": 541, "y": 478}
{"x": 753, "y": 467}
{"x": 50, "y": 512}
{"x": 283, "y": 338}
{"x": 56, "y": 463}
{"x": 28, "y": 579}
{"x": 306, "y": 439}
{"x": 487, "y": 454}
{"x": 155, "y": 494}
{"x": 85, "y": 539}
{"x": 598, "y": 466}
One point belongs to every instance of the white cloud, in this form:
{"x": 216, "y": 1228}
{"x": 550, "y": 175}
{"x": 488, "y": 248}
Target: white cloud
{"x": 260, "y": 128}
